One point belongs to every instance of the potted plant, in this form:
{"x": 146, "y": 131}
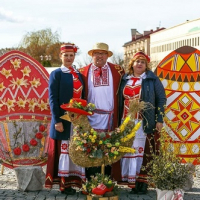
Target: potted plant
{"x": 166, "y": 172}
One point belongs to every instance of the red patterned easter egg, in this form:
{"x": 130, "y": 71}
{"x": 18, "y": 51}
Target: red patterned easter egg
{"x": 24, "y": 110}
{"x": 180, "y": 74}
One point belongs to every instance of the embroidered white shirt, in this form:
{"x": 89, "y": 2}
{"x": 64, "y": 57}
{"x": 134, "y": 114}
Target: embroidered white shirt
{"x": 102, "y": 97}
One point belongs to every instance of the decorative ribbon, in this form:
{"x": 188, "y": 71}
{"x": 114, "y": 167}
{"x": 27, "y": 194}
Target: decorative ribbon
{"x": 73, "y": 72}
{"x": 110, "y": 119}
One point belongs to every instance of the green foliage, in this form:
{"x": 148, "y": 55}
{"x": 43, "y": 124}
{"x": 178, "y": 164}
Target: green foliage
{"x": 46, "y": 63}
{"x": 165, "y": 170}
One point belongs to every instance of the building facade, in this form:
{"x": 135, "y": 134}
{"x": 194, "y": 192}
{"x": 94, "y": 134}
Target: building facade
{"x": 159, "y": 43}
{"x": 167, "y": 40}
{"x": 139, "y": 42}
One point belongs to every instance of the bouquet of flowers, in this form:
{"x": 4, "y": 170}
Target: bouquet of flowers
{"x": 106, "y": 183}
{"x": 82, "y": 105}
{"x": 97, "y": 145}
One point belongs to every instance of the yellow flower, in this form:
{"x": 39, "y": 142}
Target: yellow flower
{"x": 2, "y": 87}
{"x": 43, "y": 105}
{"x": 5, "y": 72}
{"x": 32, "y": 104}
{"x": 84, "y": 134}
{"x": 35, "y": 82}
{"x": 16, "y": 63}
{"x": 126, "y": 149}
{"x": 21, "y": 103}
{"x": 132, "y": 134}
{"x": 3, "y": 102}
{"x": 100, "y": 142}
{"x": 75, "y": 138}
{"x": 125, "y": 122}
{"x": 94, "y": 136}
{"x": 93, "y": 141}
{"x": 10, "y": 104}
{"x": 26, "y": 71}
{"x": 18, "y": 82}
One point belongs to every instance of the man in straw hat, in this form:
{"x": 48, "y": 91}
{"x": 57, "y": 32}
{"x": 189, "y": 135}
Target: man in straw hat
{"x": 102, "y": 80}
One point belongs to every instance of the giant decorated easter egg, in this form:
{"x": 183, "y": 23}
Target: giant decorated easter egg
{"x": 180, "y": 74}
{"x": 24, "y": 110}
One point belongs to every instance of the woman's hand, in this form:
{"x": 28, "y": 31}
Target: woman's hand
{"x": 59, "y": 127}
{"x": 159, "y": 126}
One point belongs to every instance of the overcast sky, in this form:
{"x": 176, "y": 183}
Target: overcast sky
{"x": 86, "y": 22}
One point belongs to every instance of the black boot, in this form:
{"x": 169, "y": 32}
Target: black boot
{"x": 136, "y": 189}
{"x": 69, "y": 191}
{"x": 143, "y": 188}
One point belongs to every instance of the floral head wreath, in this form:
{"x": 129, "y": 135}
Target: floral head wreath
{"x": 68, "y": 47}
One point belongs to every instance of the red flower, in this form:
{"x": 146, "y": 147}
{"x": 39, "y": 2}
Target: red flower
{"x": 85, "y": 145}
{"x": 25, "y": 148}
{"x": 17, "y": 151}
{"x": 64, "y": 146}
{"x": 88, "y": 150}
{"x": 39, "y": 135}
{"x": 140, "y": 150}
{"x": 42, "y": 128}
{"x": 108, "y": 136}
{"x": 33, "y": 142}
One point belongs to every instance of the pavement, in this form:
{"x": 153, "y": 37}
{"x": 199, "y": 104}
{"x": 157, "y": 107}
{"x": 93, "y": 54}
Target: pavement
{"x": 9, "y": 190}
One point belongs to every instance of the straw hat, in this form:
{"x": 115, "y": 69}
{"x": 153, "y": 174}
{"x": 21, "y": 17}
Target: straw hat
{"x": 100, "y": 46}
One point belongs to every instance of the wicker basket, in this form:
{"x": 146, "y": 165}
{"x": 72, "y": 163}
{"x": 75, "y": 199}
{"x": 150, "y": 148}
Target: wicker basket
{"x": 80, "y": 158}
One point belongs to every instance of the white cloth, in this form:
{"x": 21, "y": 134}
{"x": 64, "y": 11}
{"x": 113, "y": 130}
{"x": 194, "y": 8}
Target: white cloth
{"x": 139, "y": 82}
{"x": 170, "y": 194}
{"x": 131, "y": 163}
{"x": 66, "y": 70}
{"x": 66, "y": 167}
{"x": 102, "y": 97}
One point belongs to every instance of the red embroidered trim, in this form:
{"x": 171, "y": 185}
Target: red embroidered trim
{"x": 77, "y": 90}
{"x": 100, "y": 76}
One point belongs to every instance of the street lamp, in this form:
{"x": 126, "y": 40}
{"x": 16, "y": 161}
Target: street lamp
{"x": 46, "y": 60}
{"x": 47, "y": 57}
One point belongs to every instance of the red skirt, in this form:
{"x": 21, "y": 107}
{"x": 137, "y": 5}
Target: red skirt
{"x": 52, "y": 177}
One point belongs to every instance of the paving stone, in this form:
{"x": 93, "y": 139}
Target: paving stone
{"x": 50, "y": 198}
{"x": 9, "y": 191}
{"x": 81, "y": 196}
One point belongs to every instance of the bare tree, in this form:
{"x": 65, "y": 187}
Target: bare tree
{"x": 5, "y": 50}
{"x": 83, "y": 61}
{"x": 117, "y": 58}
